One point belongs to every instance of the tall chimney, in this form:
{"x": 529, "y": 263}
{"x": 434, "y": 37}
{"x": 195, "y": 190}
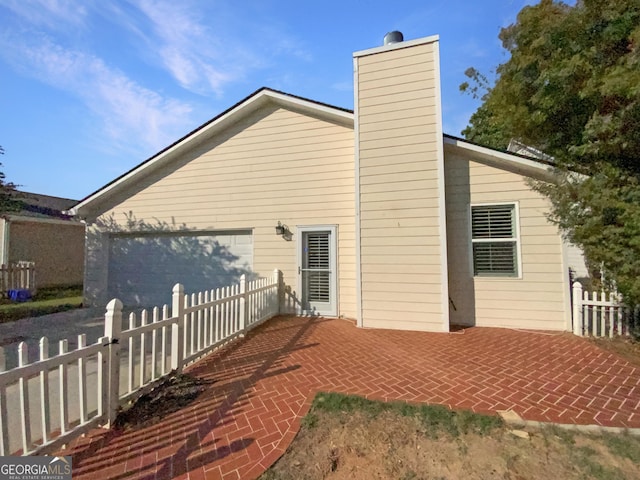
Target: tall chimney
{"x": 400, "y": 210}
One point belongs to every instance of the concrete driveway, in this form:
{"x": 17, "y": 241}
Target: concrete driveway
{"x": 57, "y": 326}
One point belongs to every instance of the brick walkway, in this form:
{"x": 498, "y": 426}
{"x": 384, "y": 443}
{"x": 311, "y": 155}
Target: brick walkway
{"x": 264, "y": 385}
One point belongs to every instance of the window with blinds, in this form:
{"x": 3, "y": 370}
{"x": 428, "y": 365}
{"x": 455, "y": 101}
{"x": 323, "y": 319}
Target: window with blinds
{"x": 494, "y": 238}
{"x": 316, "y": 265}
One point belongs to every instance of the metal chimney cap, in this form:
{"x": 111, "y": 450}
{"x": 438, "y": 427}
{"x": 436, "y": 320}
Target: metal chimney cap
{"x": 393, "y": 37}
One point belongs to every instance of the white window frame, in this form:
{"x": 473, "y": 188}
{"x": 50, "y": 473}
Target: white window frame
{"x": 516, "y": 229}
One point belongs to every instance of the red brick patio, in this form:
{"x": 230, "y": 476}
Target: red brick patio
{"x": 265, "y": 384}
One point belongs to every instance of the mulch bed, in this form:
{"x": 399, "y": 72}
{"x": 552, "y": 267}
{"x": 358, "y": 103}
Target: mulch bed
{"x": 175, "y": 392}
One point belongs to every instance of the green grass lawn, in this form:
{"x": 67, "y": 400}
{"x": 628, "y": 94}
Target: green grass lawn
{"x": 345, "y": 436}
{"x": 46, "y": 301}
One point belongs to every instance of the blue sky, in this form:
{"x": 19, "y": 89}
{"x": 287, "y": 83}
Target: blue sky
{"x": 89, "y": 89}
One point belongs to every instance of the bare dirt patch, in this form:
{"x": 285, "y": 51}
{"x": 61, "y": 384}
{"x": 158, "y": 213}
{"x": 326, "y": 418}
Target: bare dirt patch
{"x": 175, "y": 392}
{"x": 626, "y": 347}
{"x": 395, "y": 441}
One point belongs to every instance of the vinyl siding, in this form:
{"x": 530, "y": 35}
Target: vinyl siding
{"x": 576, "y": 261}
{"x": 537, "y": 299}
{"x": 275, "y": 165}
{"x": 399, "y": 194}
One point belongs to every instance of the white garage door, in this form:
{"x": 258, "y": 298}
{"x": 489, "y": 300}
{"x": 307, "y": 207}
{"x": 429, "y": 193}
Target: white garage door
{"x": 143, "y": 268}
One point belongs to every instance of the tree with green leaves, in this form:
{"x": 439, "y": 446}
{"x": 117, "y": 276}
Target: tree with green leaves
{"x": 571, "y": 88}
{"x": 8, "y": 199}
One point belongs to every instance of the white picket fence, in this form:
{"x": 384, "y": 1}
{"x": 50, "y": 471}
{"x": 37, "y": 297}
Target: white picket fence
{"x": 21, "y": 275}
{"x": 47, "y": 403}
{"x": 601, "y": 314}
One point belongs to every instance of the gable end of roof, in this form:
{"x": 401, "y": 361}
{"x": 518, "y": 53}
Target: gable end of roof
{"x": 225, "y": 119}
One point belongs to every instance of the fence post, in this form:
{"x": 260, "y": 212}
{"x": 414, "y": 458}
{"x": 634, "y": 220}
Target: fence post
{"x": 277, "y": 278}
{"x": 4, "y": 424}
{"x": 577, "y": 309}
{"x": 30, "y": 280}
{"x": 44, "y": 392}
{"x": 25, "y": 411}
{"x": 243, "y": 302}
{"x": 30, "y": 283}
{"x": 112, "y": 330}
{"x": 177, "y": 329}
{"x": 33, "y": 278}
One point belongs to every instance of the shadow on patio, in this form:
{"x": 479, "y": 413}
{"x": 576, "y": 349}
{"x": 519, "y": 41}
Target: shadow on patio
{"x": 262, "y": 386}
{"x": 197, "y": 436}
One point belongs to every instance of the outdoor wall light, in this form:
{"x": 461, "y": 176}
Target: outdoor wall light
{"x": 281, "y": 229}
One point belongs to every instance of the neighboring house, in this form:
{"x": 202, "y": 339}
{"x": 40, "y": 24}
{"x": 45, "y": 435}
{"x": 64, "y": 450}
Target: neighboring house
{"x": 389, "y": 221}
{"x": 40, "y": 232}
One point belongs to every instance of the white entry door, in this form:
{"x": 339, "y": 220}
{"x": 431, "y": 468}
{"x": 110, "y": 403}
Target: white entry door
{"x": 317, "y": 269}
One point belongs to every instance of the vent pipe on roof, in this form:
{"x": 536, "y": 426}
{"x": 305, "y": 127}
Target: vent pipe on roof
{"x": 393, "y": 37}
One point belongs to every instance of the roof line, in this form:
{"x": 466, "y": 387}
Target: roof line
{"x": 18, "y": 192}
{"x": 298, "y": 97}
{"x": 12, "y": 217}
{"x": 203, "y": 126}
{"x": 525, "y": 157}
{"x": 238, "y": 104}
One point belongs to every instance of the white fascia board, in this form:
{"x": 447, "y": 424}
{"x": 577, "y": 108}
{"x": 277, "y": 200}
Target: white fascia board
{"x": 530, "y": 168}
{"x": 207, "y": 131}
{"x": 323, "y": 111}
{"x": 397, "y": 46}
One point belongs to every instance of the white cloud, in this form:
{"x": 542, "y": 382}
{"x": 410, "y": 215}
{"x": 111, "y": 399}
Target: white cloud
{"x": 129, "y": 112}
{"x": 281, "y": 44}
{"x": 206, "y": 46}
{"x": 132, "y": 111}
{"x": 191, "y": 51}
{"x": 187, "y": 48}
{"x": 56, "y": 14}
{"x": 203, "y": 46}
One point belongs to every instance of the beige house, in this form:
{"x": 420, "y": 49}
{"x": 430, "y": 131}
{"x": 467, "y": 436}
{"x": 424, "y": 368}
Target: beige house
{"x": 382, "y": 218}
{"x": 40, "y": 232}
